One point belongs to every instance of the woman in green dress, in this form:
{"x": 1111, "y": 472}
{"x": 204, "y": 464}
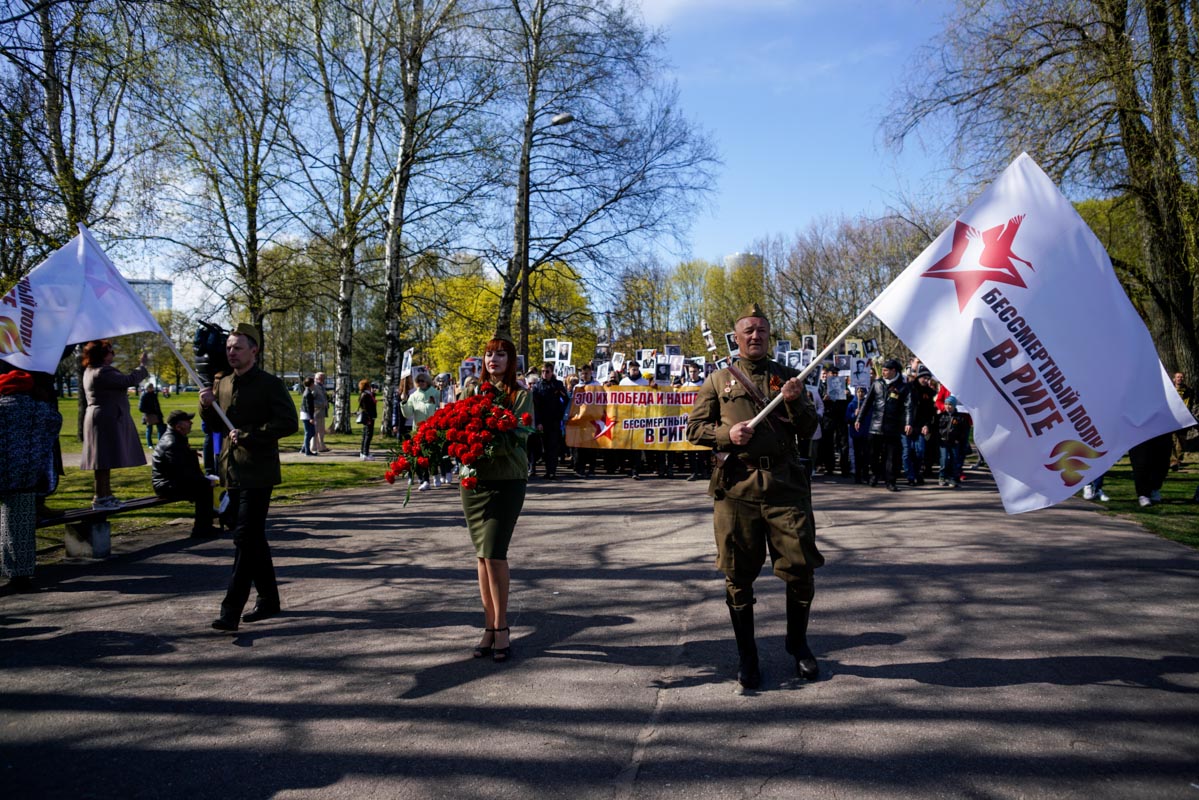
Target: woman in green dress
{"x": 493, "y": 505}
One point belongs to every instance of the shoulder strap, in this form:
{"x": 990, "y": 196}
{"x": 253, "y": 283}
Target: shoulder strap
{"x": 755, "y": 394}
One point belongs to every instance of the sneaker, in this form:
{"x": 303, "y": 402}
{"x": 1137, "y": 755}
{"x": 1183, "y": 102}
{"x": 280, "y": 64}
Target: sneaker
{"x": 942, "y": 482}
{"x": 1103, "y": 498}
{"x": 1144, "y": 502}
{"x": 424, "y": 485}
{"x": 1088, "y": 493}
{"x": 1155, "y": 496}
{"x": 365, "y": 457}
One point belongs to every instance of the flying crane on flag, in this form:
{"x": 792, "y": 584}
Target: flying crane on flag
{"x": 1016, "y": 308}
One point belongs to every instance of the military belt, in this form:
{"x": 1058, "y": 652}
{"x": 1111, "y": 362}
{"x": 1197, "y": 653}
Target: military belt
{"x": 761, "y": 462}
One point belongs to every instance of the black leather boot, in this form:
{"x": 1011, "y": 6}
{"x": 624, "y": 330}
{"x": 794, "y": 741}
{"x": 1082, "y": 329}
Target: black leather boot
{"x": 748, "y": 674}
{"x": 227, "y": 621}
{"x": 806, "y": 665}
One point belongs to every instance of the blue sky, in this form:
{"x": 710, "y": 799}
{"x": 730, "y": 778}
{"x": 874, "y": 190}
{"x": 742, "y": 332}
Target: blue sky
{"x": 793, "y": 92}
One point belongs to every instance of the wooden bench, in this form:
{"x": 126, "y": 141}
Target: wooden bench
{"x": 88, "y": 533}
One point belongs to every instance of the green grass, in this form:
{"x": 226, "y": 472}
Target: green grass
{"x": 1175, "y": 518}
{"x": 300, "y": 480}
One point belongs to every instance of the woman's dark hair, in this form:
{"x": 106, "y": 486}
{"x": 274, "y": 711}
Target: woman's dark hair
{"x": 308, "y": 382}
{"x": 509, "y": 376}
{"x": 94, "y": 352}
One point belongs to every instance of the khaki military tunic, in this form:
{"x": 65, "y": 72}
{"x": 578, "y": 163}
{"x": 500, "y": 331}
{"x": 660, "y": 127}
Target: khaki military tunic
{"x": 763, "y": 499}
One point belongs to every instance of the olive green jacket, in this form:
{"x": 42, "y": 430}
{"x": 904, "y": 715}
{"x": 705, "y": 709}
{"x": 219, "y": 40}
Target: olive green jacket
{"x": 260, "y": 407}
{"x": 509, "y": 463}
{"x": 767, "y": 467}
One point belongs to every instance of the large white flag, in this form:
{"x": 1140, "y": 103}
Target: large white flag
{"x": 1015, "y": 307}
{"x": 75, "y": 295}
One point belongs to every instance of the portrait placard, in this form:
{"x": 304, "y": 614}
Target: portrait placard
{"x": 549, "y": 349}
{"x": 730, "y": 341}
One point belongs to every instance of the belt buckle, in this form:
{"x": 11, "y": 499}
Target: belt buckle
{"x": 764, "y": 463}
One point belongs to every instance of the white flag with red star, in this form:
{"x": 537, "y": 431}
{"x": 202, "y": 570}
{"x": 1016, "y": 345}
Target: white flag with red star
{"x": 1016, "y": 309}
{"x": 75, "y": 295}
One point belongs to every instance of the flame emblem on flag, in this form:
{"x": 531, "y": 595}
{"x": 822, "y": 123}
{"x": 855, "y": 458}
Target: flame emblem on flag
{"x": 1070, "y": 463}
{"x": 10, "y": 337}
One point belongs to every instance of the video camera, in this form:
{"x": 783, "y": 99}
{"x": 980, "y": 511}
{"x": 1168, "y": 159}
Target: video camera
{"x": 209, "y": 349}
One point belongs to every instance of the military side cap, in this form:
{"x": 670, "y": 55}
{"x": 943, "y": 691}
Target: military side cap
{"x": 250, "y": 332}
{"x": 752, "y": 310}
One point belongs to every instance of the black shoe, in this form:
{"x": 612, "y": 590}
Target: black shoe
{"x": 500, "y": 654}
{"x": 874, "y": 481}
{"x": 920, "y": 481}
{"x": 21, "y": 583}
{"x": 482, "y": 650}
{"x": 260, "y": 612}
{"x": 223, "y": 623}
{"x": 911, "y": 481}
{"x": 692, "y": 477}
{"x": 892, "y": 487}
{"x": 635, "y": 476}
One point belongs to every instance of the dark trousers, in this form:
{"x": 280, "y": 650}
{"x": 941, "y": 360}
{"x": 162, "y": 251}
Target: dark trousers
{"x": 551, "y": 444}
{"x": 309, "y": 437}
{"x": 252, "y": 565}
{"x": 201, "y": 494}
{"x": 1150, "y": 462}
{"x": 887, "y": 450}
{"x": 368, "y": 433}
{"x": 585, "y": 458}
{"x": 861, "y": 458}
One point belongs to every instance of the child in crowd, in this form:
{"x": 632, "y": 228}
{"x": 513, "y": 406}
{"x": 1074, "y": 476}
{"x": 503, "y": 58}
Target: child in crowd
{"x": 955, "y": 430}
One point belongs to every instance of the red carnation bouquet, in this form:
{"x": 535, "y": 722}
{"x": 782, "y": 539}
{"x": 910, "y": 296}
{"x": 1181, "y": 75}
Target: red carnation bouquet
{"x": 470, "y": 430}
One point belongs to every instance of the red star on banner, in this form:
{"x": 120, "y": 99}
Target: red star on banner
{"x": 603, "y": 428}
{"x": 990, "y": 250}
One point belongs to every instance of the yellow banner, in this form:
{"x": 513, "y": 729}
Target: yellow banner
{"x": 630, "y": 418}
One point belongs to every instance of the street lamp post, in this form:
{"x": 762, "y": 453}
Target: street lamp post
{"x": 521, "y": 226}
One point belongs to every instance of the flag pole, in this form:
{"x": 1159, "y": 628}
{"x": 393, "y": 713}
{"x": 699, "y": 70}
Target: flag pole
{"x": 196, "y": 377}
{"x": 827, "y": 351}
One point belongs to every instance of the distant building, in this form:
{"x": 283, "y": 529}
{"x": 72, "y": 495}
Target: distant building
{"x": 156, "y": 294}
{"x": 732, "y": 262}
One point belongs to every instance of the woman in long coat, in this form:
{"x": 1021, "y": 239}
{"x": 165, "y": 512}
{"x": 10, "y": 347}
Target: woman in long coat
{"x": 110, "y": 436}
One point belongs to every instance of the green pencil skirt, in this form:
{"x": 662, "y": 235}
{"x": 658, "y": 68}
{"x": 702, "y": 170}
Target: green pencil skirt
{"x": 491, "y": 510}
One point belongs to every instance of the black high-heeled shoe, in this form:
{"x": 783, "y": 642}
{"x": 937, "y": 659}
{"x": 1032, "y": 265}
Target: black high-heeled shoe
{"x": 481, "y": 651}
{"x": 500, "y": 654}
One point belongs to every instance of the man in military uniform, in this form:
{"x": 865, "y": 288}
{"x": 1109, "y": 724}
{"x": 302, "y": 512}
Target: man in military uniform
{"x": 763, "y": 500}
{"x": 262, "y": 413}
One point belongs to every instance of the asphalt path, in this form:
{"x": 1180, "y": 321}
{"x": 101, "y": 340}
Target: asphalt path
{"x": 966, "y": 654}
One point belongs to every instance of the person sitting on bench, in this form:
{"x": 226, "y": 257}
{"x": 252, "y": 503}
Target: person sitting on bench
{"x": 177, "y": 475}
